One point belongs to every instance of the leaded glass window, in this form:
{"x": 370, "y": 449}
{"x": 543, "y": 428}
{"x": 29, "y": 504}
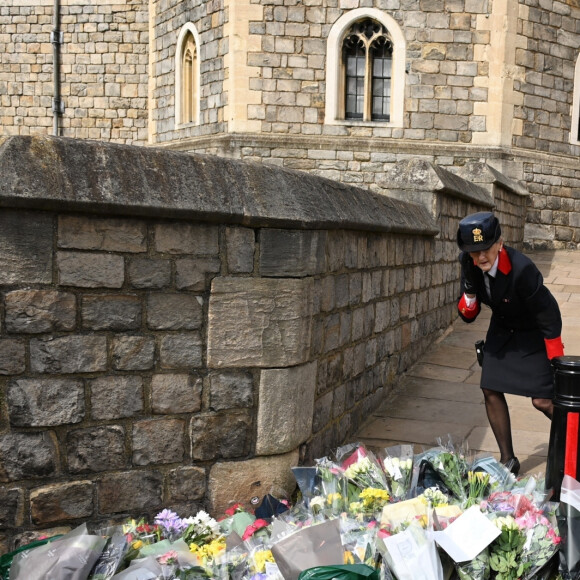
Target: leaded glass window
{"x": 367, "y": 60}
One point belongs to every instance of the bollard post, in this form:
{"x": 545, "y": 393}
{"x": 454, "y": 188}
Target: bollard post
{"x": 563, "y": 450}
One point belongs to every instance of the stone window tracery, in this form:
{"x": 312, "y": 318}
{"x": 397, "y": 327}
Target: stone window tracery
{"x": 365, "y": 69}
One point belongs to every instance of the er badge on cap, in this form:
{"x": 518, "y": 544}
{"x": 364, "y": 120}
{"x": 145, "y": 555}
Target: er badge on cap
{"x": 477, "y": 237}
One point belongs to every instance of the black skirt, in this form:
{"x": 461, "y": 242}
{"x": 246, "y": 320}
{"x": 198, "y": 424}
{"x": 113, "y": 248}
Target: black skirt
{"x": 515, "y": 362}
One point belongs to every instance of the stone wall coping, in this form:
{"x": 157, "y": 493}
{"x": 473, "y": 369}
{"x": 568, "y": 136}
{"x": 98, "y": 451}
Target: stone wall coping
{"x": 63, "y": 174}
{"x": 419, "y": 174}
{"x": 488, "y": 174}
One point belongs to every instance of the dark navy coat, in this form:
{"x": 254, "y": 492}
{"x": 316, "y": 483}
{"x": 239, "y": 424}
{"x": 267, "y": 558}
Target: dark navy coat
{"x": 525, "y": 326}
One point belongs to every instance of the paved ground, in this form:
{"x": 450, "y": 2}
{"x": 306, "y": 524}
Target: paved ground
{"x": 440, "y": 394}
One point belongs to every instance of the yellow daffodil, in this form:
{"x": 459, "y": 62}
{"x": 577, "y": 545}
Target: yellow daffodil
{"x": 260, "y": 559}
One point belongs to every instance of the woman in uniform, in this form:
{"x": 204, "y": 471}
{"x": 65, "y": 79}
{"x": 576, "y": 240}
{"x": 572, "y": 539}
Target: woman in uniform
{"x": 525, "y": 328}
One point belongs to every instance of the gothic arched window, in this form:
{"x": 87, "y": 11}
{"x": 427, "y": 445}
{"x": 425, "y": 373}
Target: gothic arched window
{"x": 367, "y": 54}
{"x": 365, "y": 68}
{"x": 187, "y": 76}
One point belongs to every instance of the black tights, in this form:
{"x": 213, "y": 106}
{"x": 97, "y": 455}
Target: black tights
{"x": 499, "y": 419}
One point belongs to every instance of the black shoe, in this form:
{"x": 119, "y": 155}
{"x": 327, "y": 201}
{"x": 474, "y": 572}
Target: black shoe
{"x": 512, "y": 465}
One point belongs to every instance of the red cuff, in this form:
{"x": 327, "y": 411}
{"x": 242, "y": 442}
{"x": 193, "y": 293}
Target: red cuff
{"x": 467, "y": 311}
{"x": 554, "y": 347}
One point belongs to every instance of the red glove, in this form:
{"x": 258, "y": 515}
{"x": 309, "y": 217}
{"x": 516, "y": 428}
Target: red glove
{"x": 554, "y": 347}
{"x": 466, "y": 311}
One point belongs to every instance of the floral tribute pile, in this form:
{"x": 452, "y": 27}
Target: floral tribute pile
{"x": 358, "y": 515}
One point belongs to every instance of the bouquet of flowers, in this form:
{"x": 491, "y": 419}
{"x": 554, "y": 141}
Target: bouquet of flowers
{"x": 398, "y": 467}
{"x": 542, "y": 539}
{"x": 478, "y": 483}
{"x": 203, "y": 535}
{"x": 506, "y": 550}
{"x": 361, "y": 467}
{"x": 476, "y": 569}
{"x": 331, "y": 498}
{"x": 139, "y": 534}
{"x": 451, "y": 466}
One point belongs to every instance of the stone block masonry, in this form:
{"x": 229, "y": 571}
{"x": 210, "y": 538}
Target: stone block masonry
{"x": 179, "y": 330}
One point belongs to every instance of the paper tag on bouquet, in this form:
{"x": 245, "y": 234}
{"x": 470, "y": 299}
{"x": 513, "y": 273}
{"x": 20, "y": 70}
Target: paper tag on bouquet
{"x": 570, "y": 492}
{"x": 468, "y": 535}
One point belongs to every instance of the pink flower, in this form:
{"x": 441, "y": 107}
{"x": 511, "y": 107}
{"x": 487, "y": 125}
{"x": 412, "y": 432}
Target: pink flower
{"x": 554, "y": 537}
{"x": 253, "y": 528}
{"x": 168, "y": 558}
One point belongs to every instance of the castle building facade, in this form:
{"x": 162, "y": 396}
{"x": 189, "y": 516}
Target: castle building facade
{"x": 340, "y": 88}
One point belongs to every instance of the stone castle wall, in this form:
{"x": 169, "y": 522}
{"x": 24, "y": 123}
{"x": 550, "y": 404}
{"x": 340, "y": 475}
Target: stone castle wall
{"x": 104, "y": 69}
{"x": 485, "y": 80}
{"x": 171, "y": 338}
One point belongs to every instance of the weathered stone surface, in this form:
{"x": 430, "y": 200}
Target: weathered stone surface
{"x": 11, "y": 507}
{"x": 133, "y": 353}
{"x": 68, "y": 354}
{"x": 25, "y": 247}
{"x": 174, "y": 312}
{"x": 175, "y": 393}
{"x": 259, "y": 322}
{"x": 111, "y": 312}
{"x": 291, "y": 252}
{"x": 115, "y": 397}
{"x": 149, "y": 273}
{"x": 285, "y": 408}
{"x": 216, "y": 435}
{"x": 240, "y": 481}
{"x": 224, "y": 189}
{"x": 96, "y": 449}
{"x": 158, "y": 441}
{"x": 89, "y": 270}
{"x": 94, "y": 233}
{"x": 62, "y": 501}
{"x": 129, "y": 491}
{"x": 12, "y": 357}
{"x": 480, "y": 172}
{"x": 416, "y": 176}
{"x": 26, "y": 455}
{"x": 180, "y": 351}
{"x": 183, "y": 238}
{"x": 195, "y": 274}
{"x": 187, "y": 483}
{"x": 229, "y": 390}
{"x": 33, "y": 311}
{"x": 240, "y": 247}
{"x": 45, "y": 402}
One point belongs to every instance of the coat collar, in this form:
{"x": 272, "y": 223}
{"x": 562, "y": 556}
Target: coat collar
{"x": 504, "y": 265}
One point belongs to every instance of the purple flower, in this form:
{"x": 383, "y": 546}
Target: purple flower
{"x": 170, "y": 522}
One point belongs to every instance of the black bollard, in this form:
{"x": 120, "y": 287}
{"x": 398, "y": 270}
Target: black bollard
{"x": 563, "y": 451}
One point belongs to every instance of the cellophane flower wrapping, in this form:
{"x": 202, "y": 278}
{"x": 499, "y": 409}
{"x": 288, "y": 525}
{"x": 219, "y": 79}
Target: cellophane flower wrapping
{"x": 359, "y": 541}
{"x": 361, "y": 467}
{"x": 316, "y": 545}
{"x": 112, "y": 555}
{"x": 332, "y": 496}
{"x": 542, "y": 538}
{"x": 71, "y": 557}
{"x": 451, "y": 464}
{"x": 477, "y": 569}
{"x": 397, "y": 463}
